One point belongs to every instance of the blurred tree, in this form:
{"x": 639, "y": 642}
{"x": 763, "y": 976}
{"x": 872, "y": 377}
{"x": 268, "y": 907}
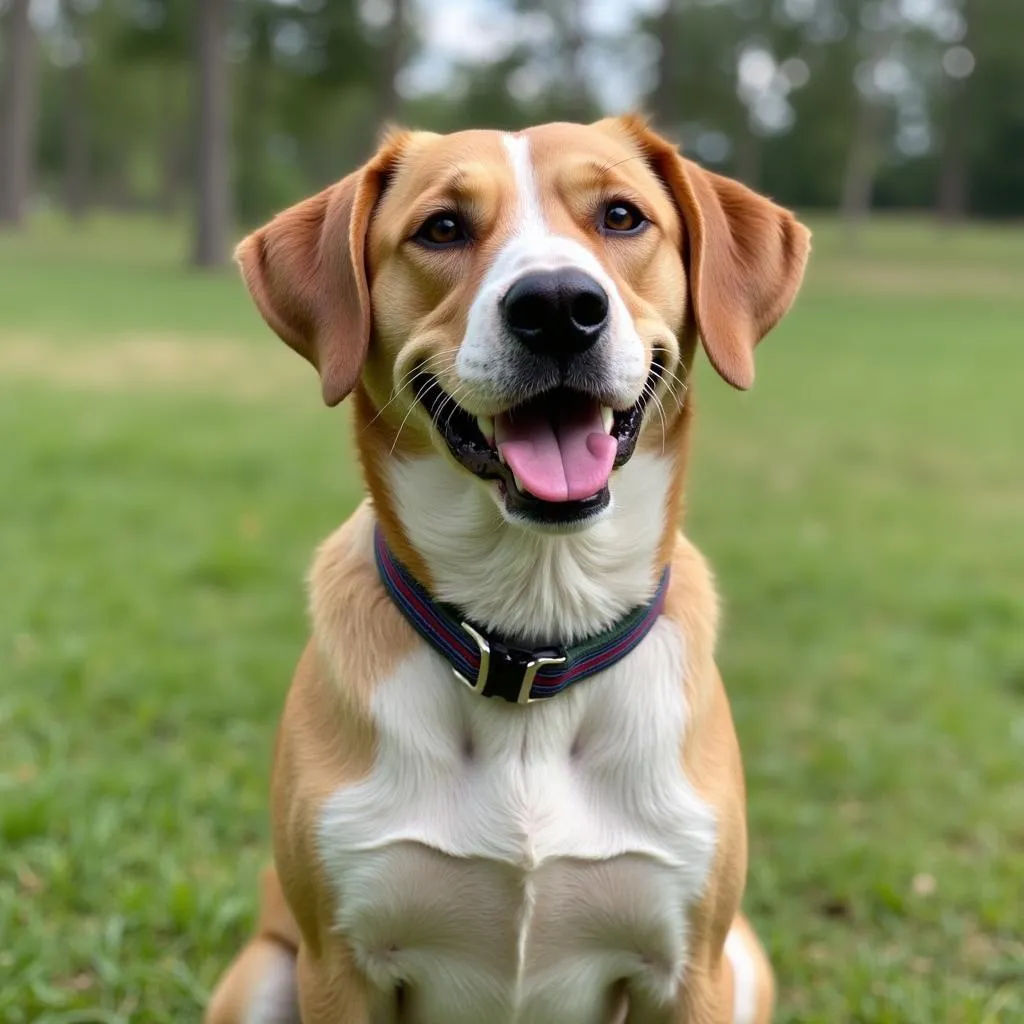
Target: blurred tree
{"x": 958, "y": 65}
{"x": 568, "y": 19}
{"x": 888, "y": 103}
{"x": 554, "y": 61}
{"x": 353, "y": 55}
{"x": 719, "y": 83}
{"x": 995, "y": 109}
{"x": 152, "y": 45}
{"x": 804, "y": 163}
{"x": 212, "y": 159}
{"x": 253, "y": 107}
{"x": 393, "y": 54}
{"x": 878, "y": 39}
{"x": 17, "y": 112}
{"x": 664, "y": 98}
{"x": 75, "y": 47}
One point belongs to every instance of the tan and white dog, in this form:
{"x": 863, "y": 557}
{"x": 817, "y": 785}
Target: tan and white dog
{"x": 516, "y": 316}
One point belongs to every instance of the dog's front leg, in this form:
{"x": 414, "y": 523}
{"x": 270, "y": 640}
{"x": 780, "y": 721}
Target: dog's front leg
{"x": 259, "y": 985}
{"x": 331, "y": 989}
{"x": 737, "y": 988}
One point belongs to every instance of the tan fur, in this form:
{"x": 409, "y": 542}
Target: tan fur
{"x": 315, "y": 272}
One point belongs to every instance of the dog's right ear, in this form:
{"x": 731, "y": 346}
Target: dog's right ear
{"x": 306, "y": 272}
{"x": 745, "y": 257}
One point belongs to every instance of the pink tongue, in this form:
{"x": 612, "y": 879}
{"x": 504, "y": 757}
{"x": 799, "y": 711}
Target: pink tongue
{"x": 561, "y": 457}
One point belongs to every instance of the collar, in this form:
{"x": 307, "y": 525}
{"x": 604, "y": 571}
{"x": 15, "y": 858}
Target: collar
{"x": 493, "y": 667}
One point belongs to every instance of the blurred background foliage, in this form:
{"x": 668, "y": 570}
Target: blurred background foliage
{"x": 230, "y": 109}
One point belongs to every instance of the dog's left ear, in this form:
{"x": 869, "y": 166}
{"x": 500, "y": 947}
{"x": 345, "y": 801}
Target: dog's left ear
{"x": 746, "y": 255}
{"x": 306, "y": 272}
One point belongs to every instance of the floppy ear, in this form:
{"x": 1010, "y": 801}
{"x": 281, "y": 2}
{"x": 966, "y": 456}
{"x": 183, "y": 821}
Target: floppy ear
{"x": 306, "y": 272}
{"x": 746, "y": 257}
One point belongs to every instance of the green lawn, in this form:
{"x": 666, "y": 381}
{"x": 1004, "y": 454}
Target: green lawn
{"x": 167, "y": 470}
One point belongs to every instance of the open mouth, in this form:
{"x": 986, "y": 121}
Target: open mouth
{"x": 552, "y": 456}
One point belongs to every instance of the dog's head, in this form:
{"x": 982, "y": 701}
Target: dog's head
{"x": 523, "y": 302}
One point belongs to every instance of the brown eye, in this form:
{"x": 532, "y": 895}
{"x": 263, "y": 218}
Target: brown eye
{"x": 442, "y": 230}
{"x": 623, "y": 218}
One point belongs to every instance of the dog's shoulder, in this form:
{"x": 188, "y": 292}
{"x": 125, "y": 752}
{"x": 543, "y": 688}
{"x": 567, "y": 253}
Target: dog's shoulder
{"x": 328, "y": 732}
{"x": 692, "y": 603}
{"x": 359, "y": 635}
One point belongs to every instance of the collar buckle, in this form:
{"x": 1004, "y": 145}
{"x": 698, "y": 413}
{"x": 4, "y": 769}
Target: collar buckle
{"x": 507, "y": 671}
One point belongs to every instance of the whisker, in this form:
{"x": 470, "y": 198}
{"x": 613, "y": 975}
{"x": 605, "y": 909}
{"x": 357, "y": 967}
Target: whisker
{"x": 447, "y": 401}
{"x": 401, "y": 427}
{"x": 663, "y": 373}
{"x": 454, "y": 400}
{"x": 664, "y": 425}
{"x": 394, "y": 397}
{"x": 650, "y": 391}
{"x": 432, "y": 361}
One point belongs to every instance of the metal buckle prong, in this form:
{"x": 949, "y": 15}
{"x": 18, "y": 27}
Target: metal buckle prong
{"x": 528, "y": 677}
{"x": 485, "y": 661}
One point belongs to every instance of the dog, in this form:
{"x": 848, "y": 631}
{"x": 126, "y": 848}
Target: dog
{"x": 507, "y": 786}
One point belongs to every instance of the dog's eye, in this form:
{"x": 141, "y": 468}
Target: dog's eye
{"x": 442, "y": 230}
{"x": 623, "y": 218}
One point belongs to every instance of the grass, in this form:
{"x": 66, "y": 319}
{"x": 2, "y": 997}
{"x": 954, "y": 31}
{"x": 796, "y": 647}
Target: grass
{"x": 168, "y": 469}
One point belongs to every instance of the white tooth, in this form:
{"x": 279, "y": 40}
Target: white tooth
{"x": 607, "y": 418}
{"x": 486, "y": 425}
{"x": 501, "y": 458}
{"x": 519, "y": 484}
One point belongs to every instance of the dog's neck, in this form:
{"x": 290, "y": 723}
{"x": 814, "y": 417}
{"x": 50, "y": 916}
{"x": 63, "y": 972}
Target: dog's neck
{"x": 523, "y": 584}
{"x": 526, "y": 585}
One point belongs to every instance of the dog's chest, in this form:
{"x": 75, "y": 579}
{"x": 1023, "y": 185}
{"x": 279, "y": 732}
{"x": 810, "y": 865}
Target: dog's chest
{"x": 515, "y": 864}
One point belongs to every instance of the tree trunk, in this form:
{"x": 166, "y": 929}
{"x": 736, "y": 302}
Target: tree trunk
{"x": 172, "y": 164}
{"x": 17, "y": 114}
{"x": 577, "y": 107}
{"x": 250, "y": 191}
{"x": 76, "y": 141}
{"x": 862, "y": 162}
{"x": 665, "y": 99}
{"x": 952, "y": 198}
{"x": 864, "y": 156}
{"x": 392, "y": 59}
{"x": 174, "y": 146}
{"x": 75, "y": 122}
{"x": 212, "y": 95}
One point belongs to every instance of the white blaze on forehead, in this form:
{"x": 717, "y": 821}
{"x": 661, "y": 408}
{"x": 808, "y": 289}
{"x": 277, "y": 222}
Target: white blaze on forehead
{"x": 530, "y": 215}
{"x": 489, "y": 358}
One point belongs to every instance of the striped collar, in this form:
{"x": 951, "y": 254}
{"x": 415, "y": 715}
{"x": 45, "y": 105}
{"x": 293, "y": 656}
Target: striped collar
{"x": 492, "y": 667}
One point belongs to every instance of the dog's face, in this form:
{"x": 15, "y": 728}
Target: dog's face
{"x": 522, "y": 302}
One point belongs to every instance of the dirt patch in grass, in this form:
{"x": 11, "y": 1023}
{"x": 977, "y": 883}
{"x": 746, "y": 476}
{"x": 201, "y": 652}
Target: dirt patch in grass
{"x": 217, "y": 365}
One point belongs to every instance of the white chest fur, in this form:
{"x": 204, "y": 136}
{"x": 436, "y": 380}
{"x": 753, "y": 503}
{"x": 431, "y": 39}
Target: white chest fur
{"x": 512, "y": 864}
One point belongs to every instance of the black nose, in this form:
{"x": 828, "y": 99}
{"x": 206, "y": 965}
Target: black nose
{"x": 557, "y": 313}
